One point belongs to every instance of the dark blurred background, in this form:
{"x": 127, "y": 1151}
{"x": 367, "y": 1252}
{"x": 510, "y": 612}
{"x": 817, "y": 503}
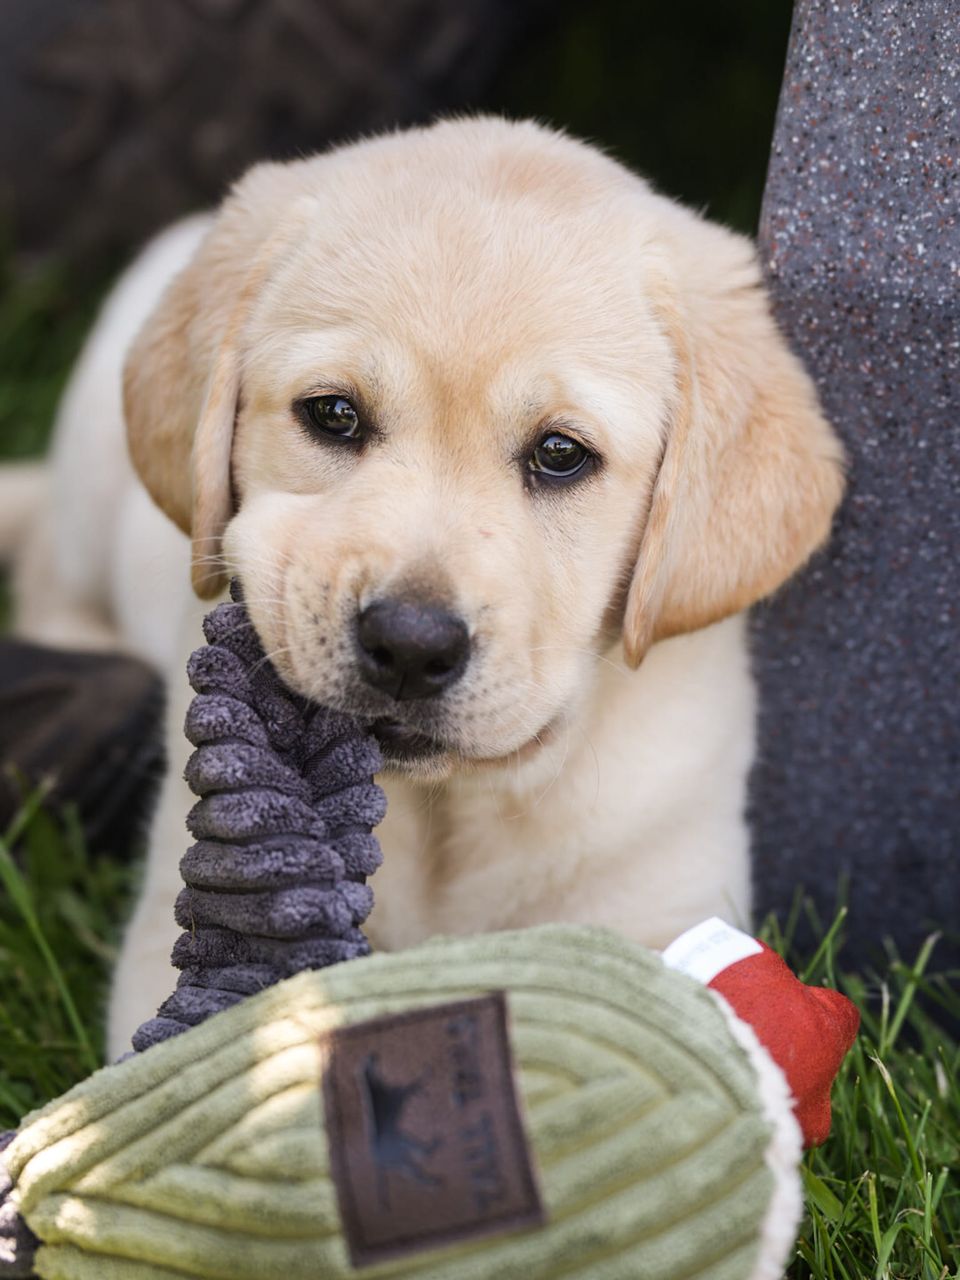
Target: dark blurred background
{"x": 119, "y": 115}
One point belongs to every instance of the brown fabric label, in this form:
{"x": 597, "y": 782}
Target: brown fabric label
{"x": 427, "y": 1144}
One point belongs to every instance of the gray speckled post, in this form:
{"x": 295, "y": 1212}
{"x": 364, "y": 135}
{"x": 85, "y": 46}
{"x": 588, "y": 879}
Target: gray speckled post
{"x": 859, "y": 660}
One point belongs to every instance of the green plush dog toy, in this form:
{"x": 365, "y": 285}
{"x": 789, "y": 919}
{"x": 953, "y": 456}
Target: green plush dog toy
{"x": 553, "y": 1102}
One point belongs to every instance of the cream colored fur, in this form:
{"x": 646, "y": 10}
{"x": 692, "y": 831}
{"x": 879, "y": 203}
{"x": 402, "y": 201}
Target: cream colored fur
{"x": 22, "y": 491}
{"x": 472, "y": 285}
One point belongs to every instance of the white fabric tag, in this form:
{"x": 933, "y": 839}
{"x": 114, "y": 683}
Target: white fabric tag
{"x": 709, "y": 948}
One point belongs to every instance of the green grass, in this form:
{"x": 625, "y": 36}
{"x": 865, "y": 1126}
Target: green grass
{"x": 882, "y": 1195}
{"x": 60, "y": 908}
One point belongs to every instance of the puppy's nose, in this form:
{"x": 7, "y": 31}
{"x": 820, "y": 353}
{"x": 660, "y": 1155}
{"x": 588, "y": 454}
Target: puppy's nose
{"x": 409, "y": 649}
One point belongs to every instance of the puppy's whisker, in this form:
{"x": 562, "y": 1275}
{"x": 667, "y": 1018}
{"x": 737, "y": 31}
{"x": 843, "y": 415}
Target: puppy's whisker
{"x": 557, "y": 772}
{"x": 590, "y": 653}
{"x": 269, "y": 657}
{"x": 266, "y": 602}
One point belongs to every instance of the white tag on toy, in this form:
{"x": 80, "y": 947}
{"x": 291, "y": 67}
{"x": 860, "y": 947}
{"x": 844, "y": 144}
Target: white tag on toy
{"x": 709, "y": 948}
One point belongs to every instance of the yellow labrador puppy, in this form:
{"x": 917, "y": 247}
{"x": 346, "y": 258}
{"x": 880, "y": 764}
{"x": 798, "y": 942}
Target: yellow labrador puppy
{"x": 501, "y": 443}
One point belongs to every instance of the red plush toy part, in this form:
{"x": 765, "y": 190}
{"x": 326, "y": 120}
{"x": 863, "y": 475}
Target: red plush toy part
{"x": 806, "y": 1030}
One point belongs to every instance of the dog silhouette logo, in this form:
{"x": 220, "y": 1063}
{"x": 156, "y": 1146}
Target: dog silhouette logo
{"x": 394, "y": 1149}
{"x": 424, "y": 1131}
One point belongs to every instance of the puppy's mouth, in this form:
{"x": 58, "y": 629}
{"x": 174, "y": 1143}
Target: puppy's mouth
{"x": 407, "y": 748}
{"x": 402, "y": 744}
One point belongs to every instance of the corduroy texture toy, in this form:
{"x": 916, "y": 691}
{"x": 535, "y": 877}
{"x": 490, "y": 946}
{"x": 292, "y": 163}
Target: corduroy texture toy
{"x": 662, "y": 1138}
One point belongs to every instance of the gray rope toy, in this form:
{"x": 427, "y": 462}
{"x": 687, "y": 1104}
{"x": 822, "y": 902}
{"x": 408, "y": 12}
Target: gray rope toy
{"x": 276, "y": 881}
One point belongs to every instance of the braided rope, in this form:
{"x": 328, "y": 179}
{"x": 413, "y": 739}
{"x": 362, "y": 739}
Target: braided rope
{"x": 276, "y": 882}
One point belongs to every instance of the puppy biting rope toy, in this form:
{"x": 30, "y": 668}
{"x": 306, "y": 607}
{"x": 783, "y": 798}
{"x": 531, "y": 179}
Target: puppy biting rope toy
{"x": 550, "y": 1100}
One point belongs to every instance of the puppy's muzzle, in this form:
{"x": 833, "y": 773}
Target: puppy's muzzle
{"x": 409, "y": 649}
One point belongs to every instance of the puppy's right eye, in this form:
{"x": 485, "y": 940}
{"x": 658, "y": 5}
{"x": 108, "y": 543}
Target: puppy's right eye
{"x": 333, "y": 416}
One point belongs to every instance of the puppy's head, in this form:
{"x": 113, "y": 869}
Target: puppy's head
{"x": 458, "y": 404}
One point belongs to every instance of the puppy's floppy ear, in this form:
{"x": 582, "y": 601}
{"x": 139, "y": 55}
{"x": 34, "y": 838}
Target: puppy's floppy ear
{"x": 751, "y": 472}
{"x": 182, "y": 375}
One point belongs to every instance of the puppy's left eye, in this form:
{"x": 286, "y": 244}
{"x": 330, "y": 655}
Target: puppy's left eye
{"x": 558, "y": 457}
{"x": 331, "y": 416}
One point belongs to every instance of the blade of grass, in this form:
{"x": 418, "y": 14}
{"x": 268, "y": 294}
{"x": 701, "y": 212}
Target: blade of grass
{"x": 906, "y": 999}
{"x": 826, "y": 944}
{"x": 821, "y": 1195}
{"x": 8, "y": 1097}
{"x": 20, "y": 896}
{"x": 904, "y": 1127}
{"x": 871, "y": 1181}
{"x": 888, "y": 1240}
